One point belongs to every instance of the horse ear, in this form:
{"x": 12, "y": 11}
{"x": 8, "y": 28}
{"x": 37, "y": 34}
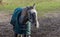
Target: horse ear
{"x": 34, "y": 5}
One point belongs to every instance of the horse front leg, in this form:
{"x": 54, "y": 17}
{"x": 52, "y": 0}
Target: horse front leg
{"x": 27, "y": 35}
{"x": 15, "y": 35}
{"x": 21, "y": 35}
{"x": 24, "y": 35}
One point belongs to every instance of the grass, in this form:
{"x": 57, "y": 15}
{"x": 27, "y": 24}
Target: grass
{"x": 42, "y": 6}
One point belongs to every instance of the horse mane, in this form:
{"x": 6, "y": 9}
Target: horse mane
{"x": 24, "y": 14}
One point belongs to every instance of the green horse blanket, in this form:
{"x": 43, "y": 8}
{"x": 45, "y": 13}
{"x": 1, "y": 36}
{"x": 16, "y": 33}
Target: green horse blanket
{"x": 17, "y": 27}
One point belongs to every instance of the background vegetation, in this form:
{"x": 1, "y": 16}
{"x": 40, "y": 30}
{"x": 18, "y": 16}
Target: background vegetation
{"x": 42, "y": 6}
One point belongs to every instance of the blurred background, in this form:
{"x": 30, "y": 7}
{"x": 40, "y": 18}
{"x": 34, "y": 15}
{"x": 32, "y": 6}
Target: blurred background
{"x": 42, "y": 6}
{"x": 48, "y": 16}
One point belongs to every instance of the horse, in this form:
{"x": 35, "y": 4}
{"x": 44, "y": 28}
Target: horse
{"x": 29, "y": 13}
{"x": 27, "y": 18}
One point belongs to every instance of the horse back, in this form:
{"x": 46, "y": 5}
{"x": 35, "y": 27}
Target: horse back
{"x": 16, "y": 14}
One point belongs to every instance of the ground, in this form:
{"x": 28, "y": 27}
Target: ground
{"x": 49, "y": 25}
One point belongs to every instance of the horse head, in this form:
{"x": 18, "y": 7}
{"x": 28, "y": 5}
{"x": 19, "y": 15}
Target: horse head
{"x": 29, "y": 14}
{"x": 32, "y": 15}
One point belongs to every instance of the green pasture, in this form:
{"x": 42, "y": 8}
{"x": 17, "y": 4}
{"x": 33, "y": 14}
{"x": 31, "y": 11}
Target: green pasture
{"x": 42, "y": 6}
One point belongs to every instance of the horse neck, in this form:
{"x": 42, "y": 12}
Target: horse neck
{"x": 24, "y": 12}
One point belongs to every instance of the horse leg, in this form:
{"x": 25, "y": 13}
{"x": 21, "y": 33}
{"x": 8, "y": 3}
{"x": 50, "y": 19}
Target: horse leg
{"x": 27, "y": 35}
{"x": 24, "y": 35}
{"x": 15, "y": 35}
{"x": 21, "y": 35}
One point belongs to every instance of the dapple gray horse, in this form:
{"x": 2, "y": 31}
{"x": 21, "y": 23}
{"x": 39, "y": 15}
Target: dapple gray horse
{"x": 29, "y": 14}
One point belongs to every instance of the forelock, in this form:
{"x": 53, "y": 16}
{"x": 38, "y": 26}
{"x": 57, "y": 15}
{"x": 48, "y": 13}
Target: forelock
{"x": 33, "y": 10}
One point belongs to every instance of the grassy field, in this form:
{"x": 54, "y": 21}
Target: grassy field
{"x": 42, "y": 6}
